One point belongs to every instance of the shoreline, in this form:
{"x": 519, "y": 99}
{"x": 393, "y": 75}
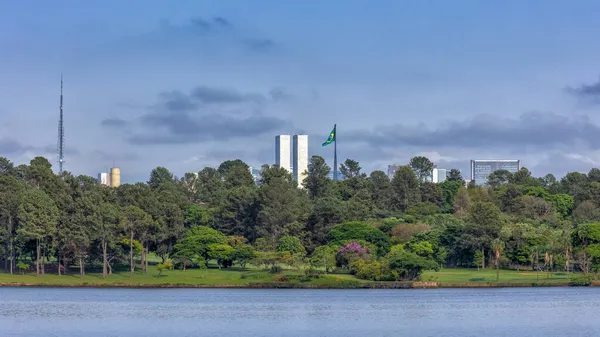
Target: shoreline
{"x": 285, "y": 285}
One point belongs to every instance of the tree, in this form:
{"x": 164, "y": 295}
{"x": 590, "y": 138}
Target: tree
{"x": 497, "y": 248}
{"x": 483, "y": 225}
{"x": 422, "y": 166}
{"x": 498, "y": 178}
{"x": 350, "y": 169}
{"x": 7, "y": 168}
{"x": 360, "y": 231}
{"x": 317, "y": 181}
{"x": 38, "y": 216}
{"x": 134, "y": 220}
{"x": 11, "y": 192}
{"x": 323, "y": 257}
{"x": 159, "y": 176}
{"x": 405, "y": 189}
{"x": 379, "y": 186}
{"x": 455, "y": 175}
{"x": 461, "y": 202}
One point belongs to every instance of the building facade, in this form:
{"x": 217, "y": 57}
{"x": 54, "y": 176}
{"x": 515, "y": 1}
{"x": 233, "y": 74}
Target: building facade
{"x": 439, "y": 175}
{"x": 104, "y": 179}
{"x": 300, "y": 159}
{"x": 481, "y": 169}
{"x": 282, "y": 152}
{"x": 392, "y": 170}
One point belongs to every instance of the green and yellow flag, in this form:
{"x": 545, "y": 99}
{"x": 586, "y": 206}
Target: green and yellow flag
{"x": 331, "y": 138}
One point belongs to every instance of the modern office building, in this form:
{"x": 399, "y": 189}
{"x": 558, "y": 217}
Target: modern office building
{"x": 481, "y": 169}
{"x": 115, "y": 177}
{"x": 300, "y": 159}
{"x": 282, "y": 152}
{"x": 392, "y": 170}
{"x": 255, "y": 175}
{"x": 104, "y": 179}
{"x": 438, "y": 175}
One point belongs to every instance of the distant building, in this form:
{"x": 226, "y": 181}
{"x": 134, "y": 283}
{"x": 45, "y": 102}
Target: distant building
{"x": 104, "y": 179}
{"x": 481, "y": 169}
{"x": 115, "y": 177}
{"x": 438, "y": 175}
{"x": 392, "y": 170}
{"x": 255, "y": 175}
{"x": 282, "y": 152}
{"x": 300, "y": 159}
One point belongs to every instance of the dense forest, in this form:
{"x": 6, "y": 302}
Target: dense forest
{"x": 367, "y": 225}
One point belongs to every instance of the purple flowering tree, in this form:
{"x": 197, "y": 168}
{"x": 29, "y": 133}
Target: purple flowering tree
{"x": 351, "y": 252}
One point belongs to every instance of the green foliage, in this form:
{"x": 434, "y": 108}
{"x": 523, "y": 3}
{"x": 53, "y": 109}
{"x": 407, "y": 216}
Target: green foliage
{"x": 220, "y": 215}
{"x": 360, "y": 231}
{"x": 292, "y": 245}
{"x": 161, "y": 267}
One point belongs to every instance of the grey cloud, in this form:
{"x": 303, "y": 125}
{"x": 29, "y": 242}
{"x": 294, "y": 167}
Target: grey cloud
{"x": 178, "y": 101}
{"x": 589, "y": 92}
{"x": 220, "y": 27}
{"x": 260, "y": 45}
{"x": 107, "y": 157}
{"x": 181, "y": 128}
{"x": 114, "y": 122}
{"x": 211, "y": 95}
{"x": 534, "y": 129}
{"x": 14, "y": 148}
{"x": 11, "y": 147}
{"x": 279, "y": 94}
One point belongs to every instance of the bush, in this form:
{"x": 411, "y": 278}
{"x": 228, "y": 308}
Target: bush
{"x": 311, "y": 273}
{"x": 372, "y": 271}
{"x": 275, "y": 269}
{"x": 162, "y": 267}
{"x": 581, "y": 281}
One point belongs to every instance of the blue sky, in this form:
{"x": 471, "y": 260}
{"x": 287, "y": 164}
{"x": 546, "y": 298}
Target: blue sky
{"x": 188, "y": 84}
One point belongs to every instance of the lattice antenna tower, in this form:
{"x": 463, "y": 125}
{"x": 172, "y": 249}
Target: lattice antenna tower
{"x": 61, "y": 132}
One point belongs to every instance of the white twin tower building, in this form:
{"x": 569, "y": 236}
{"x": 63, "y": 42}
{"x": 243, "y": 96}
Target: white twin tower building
{"x": 296, "y": 145}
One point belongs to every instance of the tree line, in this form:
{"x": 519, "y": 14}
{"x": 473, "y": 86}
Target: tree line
{"x": 368, "y": 225}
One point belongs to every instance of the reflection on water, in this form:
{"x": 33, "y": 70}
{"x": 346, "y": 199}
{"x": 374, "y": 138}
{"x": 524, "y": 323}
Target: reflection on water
{"x": 252, "y": 313}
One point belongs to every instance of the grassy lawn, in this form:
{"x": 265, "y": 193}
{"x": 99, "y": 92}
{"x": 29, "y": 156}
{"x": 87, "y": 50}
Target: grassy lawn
{"x": 237, "y": 276}
{"x": 211, "y": 276}
{"x": 462, "y": 276}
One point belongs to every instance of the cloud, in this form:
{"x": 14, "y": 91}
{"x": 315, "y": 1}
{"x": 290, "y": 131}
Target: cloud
{"x": 260, "y": 45}
{"x": 211, "y": 95}
{"x": 183, "y": 128}
{"x": 206, "y": 31}
{"x": 279, "y": 94}
{"x": 533, "y": 130}
{"x": 588, "y": 92}
{"x": 202, "y": 115}
{"x": 114, "y": 122}
{"x": 11, "y": 147}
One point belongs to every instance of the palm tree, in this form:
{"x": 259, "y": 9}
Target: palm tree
{"x": 497, "y": 248}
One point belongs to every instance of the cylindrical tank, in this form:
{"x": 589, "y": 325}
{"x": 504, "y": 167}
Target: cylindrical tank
{"x": 115, "y": 177}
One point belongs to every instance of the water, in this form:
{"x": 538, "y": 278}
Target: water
{"x": 88, "y": 312}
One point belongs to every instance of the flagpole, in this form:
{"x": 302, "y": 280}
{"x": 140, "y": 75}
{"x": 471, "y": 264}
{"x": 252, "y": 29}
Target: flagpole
{"x": 335, "y": 152}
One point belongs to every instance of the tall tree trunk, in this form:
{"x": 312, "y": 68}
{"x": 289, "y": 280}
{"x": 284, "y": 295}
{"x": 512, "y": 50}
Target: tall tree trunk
{"x": 104, "y": 261}
{"x": 37, "y": 260}
{"x": 59, "y": 273}
{"x": 81, "y": 266}
{"x": 482, "y": 259}
{"x": 131, "y": 265}
{"x": 12, "y": 255}
{"x": 142, "y": 258}
{"x": 42, "y": 264}
{"x": 147, "y": 253}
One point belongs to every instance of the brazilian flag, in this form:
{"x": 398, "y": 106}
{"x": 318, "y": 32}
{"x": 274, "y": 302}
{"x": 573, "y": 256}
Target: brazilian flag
{"x": 331, "y": 138}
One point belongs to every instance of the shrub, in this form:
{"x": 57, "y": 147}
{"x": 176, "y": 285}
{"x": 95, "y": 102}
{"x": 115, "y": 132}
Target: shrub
{"x": 350, "y": 253}
{"x": 162, "y": 267}
{"x": 311, "y": 273}
{"x": 275, "y": 269}
{"x": 581, "y": 281}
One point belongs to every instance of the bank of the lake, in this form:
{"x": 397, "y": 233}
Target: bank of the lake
{"x": 236, "y": 278}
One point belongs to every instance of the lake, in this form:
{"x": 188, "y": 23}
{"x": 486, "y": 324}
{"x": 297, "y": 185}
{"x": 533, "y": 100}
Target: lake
{"x": 88, "y": 312}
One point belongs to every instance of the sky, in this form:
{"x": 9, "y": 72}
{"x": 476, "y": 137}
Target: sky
{"x": 189, "y": 84}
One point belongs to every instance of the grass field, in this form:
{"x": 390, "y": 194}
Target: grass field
{"x": 236, "y": 276}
